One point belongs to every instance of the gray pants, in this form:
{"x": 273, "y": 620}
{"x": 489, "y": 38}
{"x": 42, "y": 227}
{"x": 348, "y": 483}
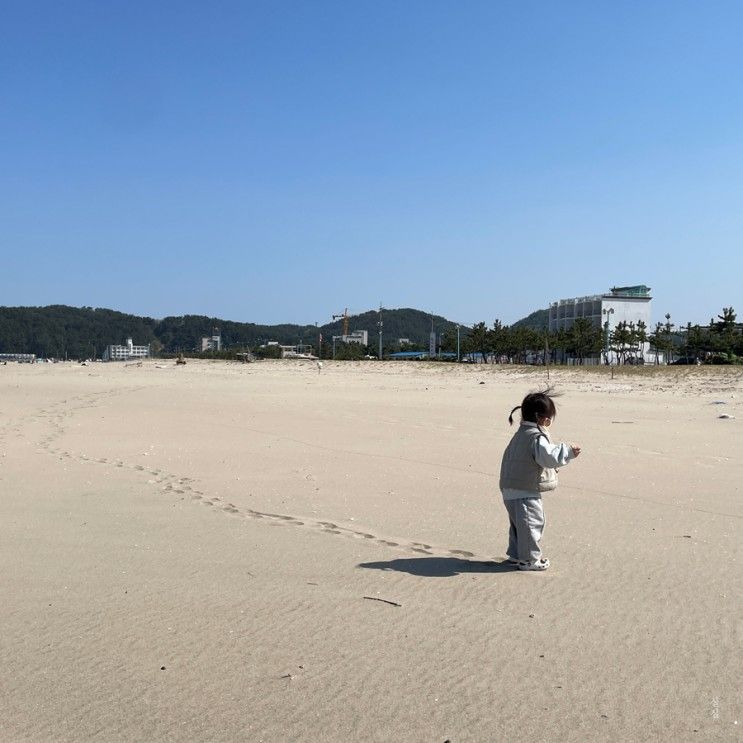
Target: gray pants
{"x": 527, "y": 524}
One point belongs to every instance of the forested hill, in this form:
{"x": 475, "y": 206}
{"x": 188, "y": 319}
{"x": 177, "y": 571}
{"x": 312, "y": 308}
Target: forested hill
{"x": 538, "y": 320}
{"x": 60, "y": 331}
{"x": 396, "y": 324}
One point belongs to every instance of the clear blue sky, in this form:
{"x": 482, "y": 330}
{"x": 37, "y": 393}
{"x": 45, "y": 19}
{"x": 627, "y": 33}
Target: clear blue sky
{"x": 280, "y": 161}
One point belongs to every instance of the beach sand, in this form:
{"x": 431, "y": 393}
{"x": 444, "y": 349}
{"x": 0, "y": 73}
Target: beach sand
{"x": 207, "y": 553}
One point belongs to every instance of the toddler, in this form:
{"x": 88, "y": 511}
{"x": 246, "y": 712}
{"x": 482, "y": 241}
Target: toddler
{"x": 528, "y": 469}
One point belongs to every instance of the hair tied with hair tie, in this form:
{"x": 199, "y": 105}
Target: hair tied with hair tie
{"x": 510, "y": 417}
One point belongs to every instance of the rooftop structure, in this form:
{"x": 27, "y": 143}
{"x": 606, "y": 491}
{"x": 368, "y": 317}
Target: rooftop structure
{"x": 631, "y": 291}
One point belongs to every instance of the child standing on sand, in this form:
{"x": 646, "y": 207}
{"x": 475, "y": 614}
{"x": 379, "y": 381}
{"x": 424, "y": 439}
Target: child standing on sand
{"x": 528, "y": 469}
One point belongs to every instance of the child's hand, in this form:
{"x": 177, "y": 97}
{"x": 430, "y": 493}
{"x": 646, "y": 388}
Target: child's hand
{"x": 576, "y": 449}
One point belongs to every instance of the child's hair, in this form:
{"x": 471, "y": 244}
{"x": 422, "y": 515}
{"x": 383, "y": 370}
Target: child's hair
{"x": 536, "y": 405}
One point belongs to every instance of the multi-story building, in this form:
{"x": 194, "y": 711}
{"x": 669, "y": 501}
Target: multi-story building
{"x": 630, "y": 304}
{"x": 620, "y": 304}
{"x": 123, "y": 353}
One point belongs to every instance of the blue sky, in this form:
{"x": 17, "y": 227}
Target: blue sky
{"x": 279, "y": 161}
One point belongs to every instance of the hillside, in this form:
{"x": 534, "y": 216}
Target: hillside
{"x": 60, "y": 331}
{"x": 537, "y": 320}
{"x": 402, "y": 323}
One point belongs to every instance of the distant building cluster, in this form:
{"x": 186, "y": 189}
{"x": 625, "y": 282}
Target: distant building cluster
{"x": 126, "y": 352}
{"x": 21, "y": 358}
{"x": 298, "y": 351}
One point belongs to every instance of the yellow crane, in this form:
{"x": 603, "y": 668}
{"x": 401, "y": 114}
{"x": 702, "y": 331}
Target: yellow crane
{"x": 344, "y": 316}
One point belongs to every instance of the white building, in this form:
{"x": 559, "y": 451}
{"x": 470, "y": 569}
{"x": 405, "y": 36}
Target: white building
{"x": 214, "y": 343}
{"x": 630, "y": 304}
{"x": 123, "y": 353}
{"x": 358, "y": 336}
{"x": 621, "y": 304}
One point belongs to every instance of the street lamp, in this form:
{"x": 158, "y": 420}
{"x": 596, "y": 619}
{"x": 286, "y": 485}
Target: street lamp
{"x": 608, "y": 312}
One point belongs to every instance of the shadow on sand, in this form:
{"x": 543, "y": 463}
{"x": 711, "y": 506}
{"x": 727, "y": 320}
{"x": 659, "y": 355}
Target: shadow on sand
{"x": 439, "y": 567}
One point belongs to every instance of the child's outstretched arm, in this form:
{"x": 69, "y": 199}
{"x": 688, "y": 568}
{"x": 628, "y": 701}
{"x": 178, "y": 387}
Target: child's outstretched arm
{"x": 551, "y": 455}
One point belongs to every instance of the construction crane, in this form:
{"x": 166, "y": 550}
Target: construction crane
{"x": 344, "y": 316}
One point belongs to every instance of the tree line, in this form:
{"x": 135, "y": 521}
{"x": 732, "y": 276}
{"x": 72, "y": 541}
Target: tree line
{"x": 721, "y": 341}
{"x": 67, "y": 332}
{"x": 60, "y": 331}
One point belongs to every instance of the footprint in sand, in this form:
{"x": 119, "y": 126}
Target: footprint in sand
{"x": 328, "y": 527}
{"x": 278, "y": 516}
{"x": 287, "y": 519}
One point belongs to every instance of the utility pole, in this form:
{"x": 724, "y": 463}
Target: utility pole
{"x": 608, "y": 312}
{"x": 380, "y": 331}
{"x": 457, "y": 343}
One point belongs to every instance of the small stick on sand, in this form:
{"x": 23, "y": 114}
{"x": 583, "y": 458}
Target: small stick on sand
{"x": 384, "y": 601}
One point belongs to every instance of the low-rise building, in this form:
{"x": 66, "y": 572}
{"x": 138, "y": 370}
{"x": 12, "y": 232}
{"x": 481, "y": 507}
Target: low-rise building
{"x": 21, "y": 358}
{"x": 212, "y": 343}
{"x": 358, "y": 336}
{"x": 126, "y": 352}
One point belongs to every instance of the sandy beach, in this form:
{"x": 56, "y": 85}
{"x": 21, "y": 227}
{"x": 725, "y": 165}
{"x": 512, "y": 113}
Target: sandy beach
{"x": 262, "y": 552}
